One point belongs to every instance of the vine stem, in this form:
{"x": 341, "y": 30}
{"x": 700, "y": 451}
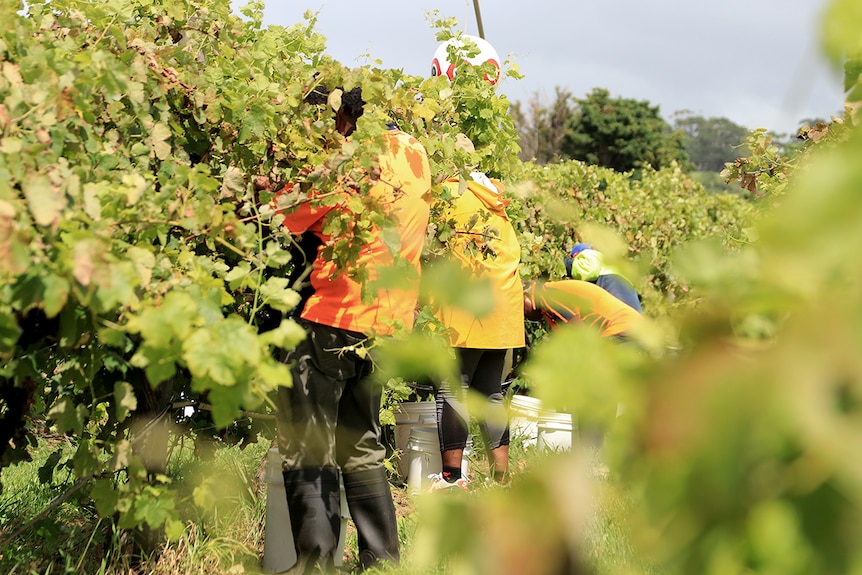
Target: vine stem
{"x": 56, "y": 502}
{"x": 78, "y": 484}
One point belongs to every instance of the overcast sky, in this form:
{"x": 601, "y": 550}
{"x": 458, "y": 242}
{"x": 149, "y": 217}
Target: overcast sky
{"x": 755, "y": 62}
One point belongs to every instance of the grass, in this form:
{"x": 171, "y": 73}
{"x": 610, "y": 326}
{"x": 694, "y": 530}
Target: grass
{"x": 229, "y": 537}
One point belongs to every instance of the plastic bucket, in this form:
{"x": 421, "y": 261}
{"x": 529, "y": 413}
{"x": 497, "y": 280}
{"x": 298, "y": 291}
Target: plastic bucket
{"x": 555, "y": 431}
{"x": 279, "y": 553}
{"x": 408, "y": 415}
{"x": 524, "y": 418}
{"x": 423, "y": 456}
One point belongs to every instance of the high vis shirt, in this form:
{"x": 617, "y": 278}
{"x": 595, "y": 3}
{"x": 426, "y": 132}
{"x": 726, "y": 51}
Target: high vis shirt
{"x": 404, "y": 188}
{"x": 576, "y": 300}
{"x": 503, "y": 328}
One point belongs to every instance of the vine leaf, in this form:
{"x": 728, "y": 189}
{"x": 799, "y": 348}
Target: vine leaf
{"x": 44, "y": 200}
{"x": 125, "y": 400}
{"x": 56, "y": 294}
{"x": 67, "y": 416}
{"x": 158, "y": 141}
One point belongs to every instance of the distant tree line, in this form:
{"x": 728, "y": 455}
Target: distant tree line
{"x": 626, "y": 134}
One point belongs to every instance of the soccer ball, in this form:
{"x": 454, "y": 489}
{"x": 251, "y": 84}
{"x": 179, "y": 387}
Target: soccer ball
{"x": 440, "y": 65}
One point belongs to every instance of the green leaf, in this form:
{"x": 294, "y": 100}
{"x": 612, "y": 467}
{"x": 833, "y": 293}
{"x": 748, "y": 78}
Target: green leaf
{"x": 104, "y": 496}
{"x": 274, "y": 373}
{"x": 223, "y": 352}
{"x": 174, "y": 529}
{"x": 88, "y": 458}
{"x": 237, "y": 275}
{"x": 155, "y": 506}
{"x": 226, "y": 404}
{"x": 275, "y": 256}
{"x": 157, "y": 362}
{"x": 173, "y": 319}
{"x": 204, "y": 495}
{"x": 9, "y": 330}
{"x": 286, "y": 336}
{"x": 56, "y": 293}
{"x": 451, "y": 285}
{"x": 276, "y": 293}
{"x": 67, "y": 416}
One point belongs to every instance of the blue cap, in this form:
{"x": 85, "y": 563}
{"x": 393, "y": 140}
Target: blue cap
{"x": 579, "y": 248}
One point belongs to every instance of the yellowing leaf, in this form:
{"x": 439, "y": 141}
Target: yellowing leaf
{"x": 84, "y": 265}
{"x": 10, "y": 145}
{"x": 124, "y": 399}
{"x": 158, "y": 141}
{"x": 135, "y": 187}
{"x": 122, "y": 455}
{"x": 144, "y": 262}
{"x": 44, "y": 200}
{"x": 233, "y": 183}
{"x": 92, "y": 202}
{"x": 12, "y": 73}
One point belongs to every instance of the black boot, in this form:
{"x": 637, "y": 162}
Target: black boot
{"x": 373, "y": 513}
{"x": 314, "y": 503}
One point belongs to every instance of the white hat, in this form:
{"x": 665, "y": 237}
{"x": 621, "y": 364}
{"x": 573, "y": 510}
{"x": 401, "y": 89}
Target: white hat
{"x": 440, "y": 65}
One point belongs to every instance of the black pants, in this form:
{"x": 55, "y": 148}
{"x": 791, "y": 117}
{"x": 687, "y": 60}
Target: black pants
{"x": 330, "y": 417}
{"x": 482, "y": 373}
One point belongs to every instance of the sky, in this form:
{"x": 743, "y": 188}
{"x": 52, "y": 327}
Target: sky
{"x": 755, "y": 62}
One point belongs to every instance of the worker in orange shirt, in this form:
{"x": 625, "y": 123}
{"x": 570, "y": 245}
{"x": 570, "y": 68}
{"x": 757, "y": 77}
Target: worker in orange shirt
{"x": 577, "y": 300}
{"x": 329, "y": 418}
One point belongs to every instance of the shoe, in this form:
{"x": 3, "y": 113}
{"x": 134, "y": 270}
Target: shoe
{"x": 439, "y": 484}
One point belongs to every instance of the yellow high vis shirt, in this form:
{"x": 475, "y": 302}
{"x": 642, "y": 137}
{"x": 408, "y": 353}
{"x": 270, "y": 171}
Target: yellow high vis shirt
{"x": 503, "y": 328}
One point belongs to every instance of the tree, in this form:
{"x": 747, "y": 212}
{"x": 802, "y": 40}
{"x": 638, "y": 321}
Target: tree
{"x": 621, "y": 133}
{"x": 710, "y": 142}
{"x": 542, "y": 129}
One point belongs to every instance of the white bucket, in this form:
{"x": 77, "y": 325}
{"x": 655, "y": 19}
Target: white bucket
{"x": 408, "y": 415}
{"x": 524, "y": 417}
{"x": 423, "y": 456}
{"x": 279, "y": 553}
{"x": 555, "y": 431}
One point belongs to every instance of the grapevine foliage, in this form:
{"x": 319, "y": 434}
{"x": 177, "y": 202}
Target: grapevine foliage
{"x": 141, "y": 146}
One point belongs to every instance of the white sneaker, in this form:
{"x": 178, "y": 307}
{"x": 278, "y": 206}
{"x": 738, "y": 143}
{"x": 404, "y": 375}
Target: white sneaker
{"x": 439, "y": 484}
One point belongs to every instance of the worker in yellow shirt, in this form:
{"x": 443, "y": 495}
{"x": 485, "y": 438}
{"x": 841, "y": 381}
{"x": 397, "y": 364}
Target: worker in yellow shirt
{"x": 480, "y": 343}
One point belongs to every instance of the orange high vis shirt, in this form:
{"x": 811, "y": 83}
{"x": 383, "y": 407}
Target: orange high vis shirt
{"x": 404, "y": 187}
{"x": 503, "y": 328}
{"x": 577, "y": 300}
